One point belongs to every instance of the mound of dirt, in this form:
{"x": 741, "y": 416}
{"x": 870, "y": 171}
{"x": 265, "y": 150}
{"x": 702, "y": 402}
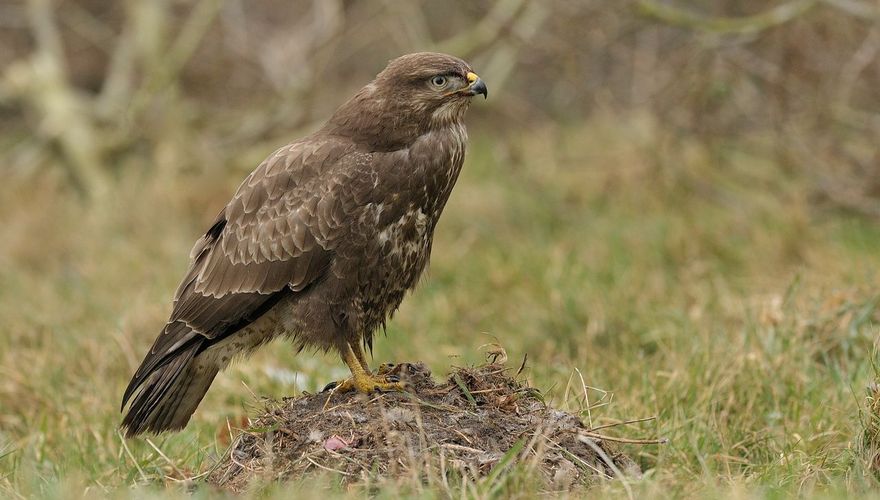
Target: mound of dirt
{"x": 478, "y": 419}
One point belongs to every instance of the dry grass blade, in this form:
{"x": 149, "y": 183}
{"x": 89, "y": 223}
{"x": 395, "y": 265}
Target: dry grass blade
{"x": 464, "y": 389}
{"x": 625, "y": 422}
{"x": 593, "y": 435}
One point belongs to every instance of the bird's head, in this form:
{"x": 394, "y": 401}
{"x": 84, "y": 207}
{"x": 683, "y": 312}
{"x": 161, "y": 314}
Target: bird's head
{"x": 435, "y": 87}
{"x": 413, "y": 95}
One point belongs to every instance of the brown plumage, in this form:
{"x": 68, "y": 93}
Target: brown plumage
{"x": 319, "y": 243}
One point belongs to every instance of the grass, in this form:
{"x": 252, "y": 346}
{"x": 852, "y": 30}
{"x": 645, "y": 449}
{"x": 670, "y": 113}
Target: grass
{"x": 705, "y": 290}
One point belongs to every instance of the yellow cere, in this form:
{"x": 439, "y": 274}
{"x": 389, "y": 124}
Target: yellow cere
{"x": 472, "y": 77}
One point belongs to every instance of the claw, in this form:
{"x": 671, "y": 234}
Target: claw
{"x": 361, "y": 379}
{"x": 367, "y": 383}
{"x": 386, "y": 368}
{"x": 371, "y": 383}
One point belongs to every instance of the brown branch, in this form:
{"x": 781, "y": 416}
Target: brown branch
{"x": 855, "y": 8}
{"x": 486, "y": 31}
{"x": 41, "y": 82}
{"x": 168, "y": 66}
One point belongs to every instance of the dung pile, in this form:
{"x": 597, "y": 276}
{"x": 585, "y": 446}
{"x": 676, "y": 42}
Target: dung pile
{"x": 476, "y": 420}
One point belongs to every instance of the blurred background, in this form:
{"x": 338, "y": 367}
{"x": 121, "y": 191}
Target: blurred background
{"x": 678, "y": 198}
{"x": 98, "y": 89}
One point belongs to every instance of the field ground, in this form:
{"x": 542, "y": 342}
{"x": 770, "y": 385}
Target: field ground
{"x": 711, "y": 291}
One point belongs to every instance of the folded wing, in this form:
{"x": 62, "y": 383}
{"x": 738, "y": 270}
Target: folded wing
{"x": 276, "y": 236}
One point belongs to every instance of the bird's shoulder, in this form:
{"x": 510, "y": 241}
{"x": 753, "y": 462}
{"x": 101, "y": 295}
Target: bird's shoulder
{"x": 293, "y": 169}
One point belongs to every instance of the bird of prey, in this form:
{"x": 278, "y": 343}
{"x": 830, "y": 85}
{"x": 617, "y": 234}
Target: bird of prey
{"x": 319, "y": 244}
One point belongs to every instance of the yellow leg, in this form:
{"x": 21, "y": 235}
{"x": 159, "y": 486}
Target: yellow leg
{"x": 360, "y": 355}
{"x": 361, "y": 379}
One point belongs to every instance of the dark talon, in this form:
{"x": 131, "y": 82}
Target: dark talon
{"x": 330, "y": 386}
{"x": 392, "y": 378}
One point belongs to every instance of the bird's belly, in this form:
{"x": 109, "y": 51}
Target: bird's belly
{"x": 403, "y": 264}
{"x": 403, "y": 247}
{"x": 401, "y": 251}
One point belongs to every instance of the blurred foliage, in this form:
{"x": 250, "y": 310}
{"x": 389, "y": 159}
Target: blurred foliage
{"x": 175, "y": 85}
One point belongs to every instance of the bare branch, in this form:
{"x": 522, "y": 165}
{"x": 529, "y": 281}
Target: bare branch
{"x": 745, "y": 25}
{"x": 855, "y": 8}
{"x": 487, "y": 30}
{"x": 41, "y": 81}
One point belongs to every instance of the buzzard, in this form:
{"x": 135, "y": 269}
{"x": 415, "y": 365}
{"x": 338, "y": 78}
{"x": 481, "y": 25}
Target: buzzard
{"x": 319, "y": 244}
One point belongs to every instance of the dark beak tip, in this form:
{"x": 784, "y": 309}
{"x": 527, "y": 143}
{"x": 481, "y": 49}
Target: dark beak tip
{"x": 480, "y": 88}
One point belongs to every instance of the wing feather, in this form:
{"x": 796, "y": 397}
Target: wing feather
{"x": 268, "y": 241}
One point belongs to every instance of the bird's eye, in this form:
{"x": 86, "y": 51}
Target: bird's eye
{"x": 439, "y": 81}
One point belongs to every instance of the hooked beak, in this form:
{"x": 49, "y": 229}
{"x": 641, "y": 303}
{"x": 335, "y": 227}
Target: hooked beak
{"x": 476, "y": 86}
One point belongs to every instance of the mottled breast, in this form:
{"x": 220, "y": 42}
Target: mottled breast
{"x": 402, "y": 244}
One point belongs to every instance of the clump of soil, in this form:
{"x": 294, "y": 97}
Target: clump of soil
{"x": 477, "y": 419}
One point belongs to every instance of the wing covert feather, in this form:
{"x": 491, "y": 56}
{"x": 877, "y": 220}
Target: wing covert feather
{"x": 270, "y": 237}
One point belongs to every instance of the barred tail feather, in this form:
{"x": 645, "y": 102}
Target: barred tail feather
{"x": 168, "y": 397}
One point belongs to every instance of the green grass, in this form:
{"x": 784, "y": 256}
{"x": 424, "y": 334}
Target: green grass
{"x": 701, "y": 289}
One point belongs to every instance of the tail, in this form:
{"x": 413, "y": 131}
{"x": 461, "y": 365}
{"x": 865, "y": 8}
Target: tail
{"x": 169, "y": 394}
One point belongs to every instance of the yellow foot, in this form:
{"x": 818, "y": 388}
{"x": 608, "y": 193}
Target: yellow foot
{"x": 366, "y": 383}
